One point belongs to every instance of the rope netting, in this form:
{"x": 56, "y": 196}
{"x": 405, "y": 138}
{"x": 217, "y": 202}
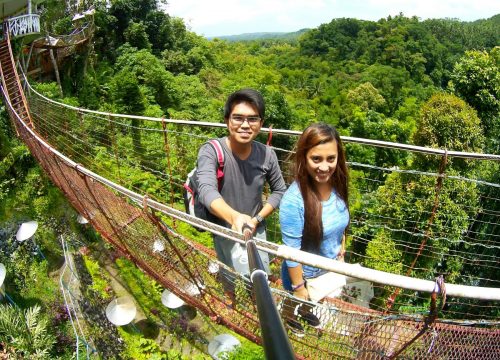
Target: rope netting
{"x": 437, "y": 214}
{"x": 77, "y": 36}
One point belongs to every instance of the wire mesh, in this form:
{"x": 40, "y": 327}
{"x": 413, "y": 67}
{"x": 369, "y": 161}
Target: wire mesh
{"x": 423, "y": 218}
{"x": 69, "y": 282}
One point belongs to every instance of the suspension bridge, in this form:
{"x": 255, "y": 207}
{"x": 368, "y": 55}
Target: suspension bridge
{"x": 125, "y": 173}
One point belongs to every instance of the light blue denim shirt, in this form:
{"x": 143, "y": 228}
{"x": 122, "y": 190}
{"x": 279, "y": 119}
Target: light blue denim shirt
{"x": 335, "y": 217}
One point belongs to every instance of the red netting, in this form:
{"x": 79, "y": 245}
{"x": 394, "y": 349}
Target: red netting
{"x": 351, "y": 327}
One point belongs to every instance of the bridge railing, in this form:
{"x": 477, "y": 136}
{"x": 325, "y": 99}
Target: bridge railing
{"x": 283, "y": 251}
{"x": 348, "y": 332}
{"x": 23, "y": 25}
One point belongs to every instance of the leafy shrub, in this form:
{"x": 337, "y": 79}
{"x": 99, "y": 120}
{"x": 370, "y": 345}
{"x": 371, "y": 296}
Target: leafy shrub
{"x": 140, "y": 348}
{"x": 247, "y": 351}
{"x": 25, "y": 332}
{"x": 99, "y": 282}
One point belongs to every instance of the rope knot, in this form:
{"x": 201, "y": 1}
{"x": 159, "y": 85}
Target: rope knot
{"x": 145, "y": 203}
{"x": 440, "y": 288}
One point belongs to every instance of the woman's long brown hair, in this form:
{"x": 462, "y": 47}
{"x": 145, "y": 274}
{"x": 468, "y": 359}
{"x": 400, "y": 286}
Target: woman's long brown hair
{"x": 314, "y": 135}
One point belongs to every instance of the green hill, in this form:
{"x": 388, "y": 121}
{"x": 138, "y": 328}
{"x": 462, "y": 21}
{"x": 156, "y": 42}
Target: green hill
{"x": 261, "y": 36}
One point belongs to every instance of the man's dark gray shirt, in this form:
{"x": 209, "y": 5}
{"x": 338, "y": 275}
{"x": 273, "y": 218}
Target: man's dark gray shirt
{"x": 243, "y": 181}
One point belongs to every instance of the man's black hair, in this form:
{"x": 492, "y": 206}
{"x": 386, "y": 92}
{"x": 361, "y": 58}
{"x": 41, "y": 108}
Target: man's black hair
{"x": 245, "y": 95}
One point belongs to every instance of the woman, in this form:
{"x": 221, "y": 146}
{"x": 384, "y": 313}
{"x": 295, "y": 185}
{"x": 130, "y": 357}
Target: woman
{"x": 314, "y": 211}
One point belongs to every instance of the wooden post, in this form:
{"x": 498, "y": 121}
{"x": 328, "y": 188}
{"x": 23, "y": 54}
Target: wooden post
{"x": 54, "y": 63}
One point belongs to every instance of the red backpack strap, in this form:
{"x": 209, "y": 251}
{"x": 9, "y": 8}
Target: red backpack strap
{"x": 220, "y": 158}
{"x": 218, "y": 150}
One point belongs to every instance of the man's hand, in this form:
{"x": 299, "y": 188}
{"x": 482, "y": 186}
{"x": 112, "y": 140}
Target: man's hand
{"x": 248, "y": 231}
{"x": 238, "y": 220}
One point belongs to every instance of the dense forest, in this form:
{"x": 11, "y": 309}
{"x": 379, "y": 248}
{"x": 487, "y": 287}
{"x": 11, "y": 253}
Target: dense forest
{"x": 432, "y": 83}
{"x": 370, "y": 79}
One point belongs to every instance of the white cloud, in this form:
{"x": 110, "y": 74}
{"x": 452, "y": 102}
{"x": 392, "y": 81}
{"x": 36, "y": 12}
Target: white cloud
{"x": 224, "y": 17}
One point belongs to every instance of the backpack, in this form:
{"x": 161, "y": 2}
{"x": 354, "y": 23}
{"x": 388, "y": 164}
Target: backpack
{"x": 191, "y": 196}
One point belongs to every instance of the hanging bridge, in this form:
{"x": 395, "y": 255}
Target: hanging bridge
{"x": 436, "y": 215}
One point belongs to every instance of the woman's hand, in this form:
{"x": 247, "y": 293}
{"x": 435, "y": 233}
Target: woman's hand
{"x": 340, "y": 256}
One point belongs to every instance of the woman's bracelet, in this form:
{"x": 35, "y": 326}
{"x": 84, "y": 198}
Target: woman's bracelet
{"x": 296, "y": 287}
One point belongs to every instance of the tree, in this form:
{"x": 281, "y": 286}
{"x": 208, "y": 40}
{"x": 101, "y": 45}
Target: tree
{"x": 279, "y": 115}
{"x": 136, "y": 35}
{"x": 129, "y": 99}
{"x": 364, "y": 117}
{"x": 159, "y": 30}
{"x": 126, "y": 11}
{"x": 418, "y": 216}
{"x": 401, "y": 228}
{"x": 149, "y": 71}
{"x": 366, "y": 96}
{"x": 447, "y": 122}
{"x": 476, "y": 79}
{"x": 337, "y": 38}
{"x": 389, "y": 82}
{"x": 127, "y": 94}
{"x": 24, "y": 333}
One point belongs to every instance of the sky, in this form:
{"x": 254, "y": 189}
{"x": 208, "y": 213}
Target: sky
{"x": 233, "y": 17}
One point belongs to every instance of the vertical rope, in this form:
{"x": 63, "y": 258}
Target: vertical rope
{"x": 82, "y": 127}
{"x": 169, "y": 168}
{"x": 438, "y": 187}
{"x": 270, "y": 137}
{"x": 440, "y": 288}
{"x": 113, "y": 144}
{"x": 98, "y": 201}
{"x": 163, "y": 231}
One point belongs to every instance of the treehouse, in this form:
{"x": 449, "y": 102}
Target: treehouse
{"x": 20, "y": 18}
{"x": 44, "y": 54}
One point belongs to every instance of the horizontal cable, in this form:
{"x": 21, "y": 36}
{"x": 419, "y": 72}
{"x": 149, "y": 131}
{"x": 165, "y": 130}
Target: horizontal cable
{"x": 283, "y": 251}
{"x": 349, "y": 139}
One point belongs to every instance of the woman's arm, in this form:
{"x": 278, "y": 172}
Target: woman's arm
{"x": 341, "y": 255}
{"x": 298, "y": 282}
{"x": 292, "y": 225}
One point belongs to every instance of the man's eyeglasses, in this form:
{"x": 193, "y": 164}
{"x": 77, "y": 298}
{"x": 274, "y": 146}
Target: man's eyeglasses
{"x": 240, "y": 119}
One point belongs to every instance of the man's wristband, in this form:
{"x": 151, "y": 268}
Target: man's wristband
{"x": 259, "y": 219}
{"x": 296, "y": 287}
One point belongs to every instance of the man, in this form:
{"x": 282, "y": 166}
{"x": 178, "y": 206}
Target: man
{"x": 248, "y": 165}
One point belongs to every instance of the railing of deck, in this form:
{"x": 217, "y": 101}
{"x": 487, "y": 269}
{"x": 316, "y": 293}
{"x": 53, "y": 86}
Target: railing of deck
{"x": 24, "y": 25}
